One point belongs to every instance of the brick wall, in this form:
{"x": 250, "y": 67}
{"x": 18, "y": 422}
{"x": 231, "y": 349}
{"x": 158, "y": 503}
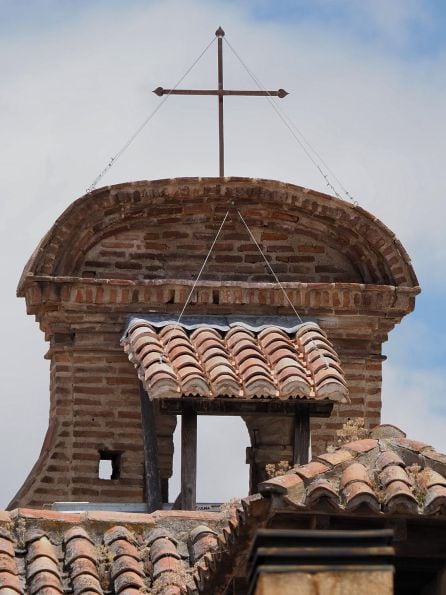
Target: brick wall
{"x": 136, "y": 248}
{"x": 158, "y": 252}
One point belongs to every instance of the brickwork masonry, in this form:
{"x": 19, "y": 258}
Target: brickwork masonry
{"x": 133, "y": 248}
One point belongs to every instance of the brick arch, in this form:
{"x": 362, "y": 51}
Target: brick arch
{"x": 367, "y": 250}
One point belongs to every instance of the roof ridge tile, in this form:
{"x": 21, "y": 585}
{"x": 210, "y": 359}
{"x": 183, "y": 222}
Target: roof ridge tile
{"x": 337, "y": 457}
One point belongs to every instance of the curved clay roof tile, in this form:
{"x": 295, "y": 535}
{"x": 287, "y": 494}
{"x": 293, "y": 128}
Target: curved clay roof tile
{"x": 259, "y": 386}
{"x": 398, "y": 498}
{"x": 435, "y": 500}
{"x": 388, "y": 458}
{"x": 249, "y": 366}
{"x": 322, "y": 490}
{"x": 200, "y": 335}
{"x": 332, "y": 389}
{"x": 195, "y": 385}
{"x": 292, "y": 385}
{"x": 359, "y": 495}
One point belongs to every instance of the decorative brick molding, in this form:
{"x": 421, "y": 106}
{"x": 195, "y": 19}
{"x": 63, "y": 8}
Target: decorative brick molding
{"x": 135, "y": 247}
{"x": 178, "y": 217}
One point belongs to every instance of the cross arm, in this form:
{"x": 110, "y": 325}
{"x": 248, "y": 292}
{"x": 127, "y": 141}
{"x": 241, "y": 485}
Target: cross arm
{"x": 160, "y": 91}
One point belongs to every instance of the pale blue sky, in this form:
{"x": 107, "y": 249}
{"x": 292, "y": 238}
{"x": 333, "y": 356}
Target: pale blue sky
{"x": 418, "y": 25}
{"x": 368, "y": 88}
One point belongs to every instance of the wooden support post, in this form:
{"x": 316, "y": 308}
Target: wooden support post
{"x": 165, "y": 489}
{"x": 152, "y": 474}
{"x": 301, "y": 437}
{"x": 188, "y": 460}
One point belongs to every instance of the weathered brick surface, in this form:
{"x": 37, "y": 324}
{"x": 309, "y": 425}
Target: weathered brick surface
{"x": 147, "y": 210}
{"x": 137, "y": 247}
{"x": 159, "y": 254}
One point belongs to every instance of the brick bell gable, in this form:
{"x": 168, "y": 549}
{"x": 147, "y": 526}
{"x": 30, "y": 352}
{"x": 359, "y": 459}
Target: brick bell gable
{"x": 135, "y": 247}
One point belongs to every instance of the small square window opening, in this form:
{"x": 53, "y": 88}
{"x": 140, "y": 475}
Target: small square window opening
{"x": 109, "y": 465}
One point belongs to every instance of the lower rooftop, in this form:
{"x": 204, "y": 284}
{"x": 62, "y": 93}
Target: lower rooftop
{"x": 379, "y": 482}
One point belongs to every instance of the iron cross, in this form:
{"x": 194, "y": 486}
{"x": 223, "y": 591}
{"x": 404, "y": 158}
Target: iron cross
{"x": 220, "y": 92}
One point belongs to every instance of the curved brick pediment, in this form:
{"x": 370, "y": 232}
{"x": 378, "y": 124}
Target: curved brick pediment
{"x": 163, "y": 229}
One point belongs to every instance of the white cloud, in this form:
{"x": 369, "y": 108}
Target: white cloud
{"x": 394, "y": 20}
{"x": 412, "y": 401}
{"x": 72, "y": 95}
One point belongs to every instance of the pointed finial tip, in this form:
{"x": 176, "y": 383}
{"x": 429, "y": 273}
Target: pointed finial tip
{"x": 159, "y": 91}
{"x": 282, "y": 93}
{"x": 220, "y": 32}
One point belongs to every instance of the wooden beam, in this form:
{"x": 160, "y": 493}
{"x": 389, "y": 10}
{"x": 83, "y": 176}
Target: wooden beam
{"x": 301, "y": 437}
{"x": 188, "y": 460}
{"x": 232, "y": 406}
{"x": 151, "y": 467}
{"x": 165, "y": 489}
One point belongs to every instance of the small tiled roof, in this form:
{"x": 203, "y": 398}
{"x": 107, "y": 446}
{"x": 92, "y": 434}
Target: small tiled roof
{"x": 174, "y": 361}
{"x": 384, "y": 474}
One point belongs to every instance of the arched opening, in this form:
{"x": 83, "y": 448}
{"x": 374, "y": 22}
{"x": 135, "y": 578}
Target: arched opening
{"x": 222, "y": 472}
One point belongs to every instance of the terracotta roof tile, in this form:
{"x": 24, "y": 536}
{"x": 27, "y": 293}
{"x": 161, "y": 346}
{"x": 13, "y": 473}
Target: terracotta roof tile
{"x": 118, "y": 532}
{"x": 167, "y": 566}
{"x": 358, "y": 494}
{"x": 398, "y": 497}
{"x": 41, "y": 546}
{"x": 86, "y": 584}
{"x": 81, "y": 561}
{"x": 168, "y": 563}
{"x": 42, "y": 564}
{"x": 81, "y": 567}
{"x": 149, "y": 553}
{"x": 285, "y": 484}
{"x": 381, "y": 476}
{"x": 429, "y": 478}
{"x": 361, "y": 446}
{"x": 121, "y": 547}
{"x": 9, "y": 579}
{"x": 394, "y": 473}
{"x": 126, "y": 567}
{"x": 208, "y": 362}
{"x": 388, "y": 457}
{"x": 8, "y": 564}
{"x": 163, "y": 547}
{"x": 202, "y": 541}
{"x": 387, "y": 431}
{"x": 322, "y": 489}
{"x": 7, "y": 546}
{"x": 355, "y": 473}
{"x": 336, "y": 457}
{"x": 45, "y": 582}
{"x": 159, "y": 533}
{"x": 414, "y": 445}
{"x": 434, "y": 455}
{"x": 435, "y": 501}
{"x": 177, "y": 552}
{"x": 79, "y": 547}
{"x": 126, "y": 564}
{"x": 128, "y": 580}
{"x": 310, "y": 470}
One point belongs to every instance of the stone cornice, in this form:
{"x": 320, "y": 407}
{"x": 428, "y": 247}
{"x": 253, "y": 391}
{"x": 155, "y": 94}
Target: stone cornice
{"x": 79, "y": 294}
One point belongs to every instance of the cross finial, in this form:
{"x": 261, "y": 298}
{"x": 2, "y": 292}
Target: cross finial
{"x": 220, "y": 92}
